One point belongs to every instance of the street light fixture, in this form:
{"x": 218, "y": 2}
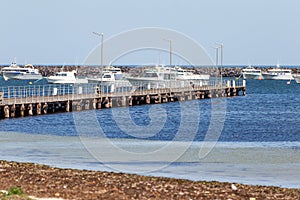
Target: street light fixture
{"x": 101, "y": 35}
{"x": 220, "y": 46}
{"x": 170, "y": 45}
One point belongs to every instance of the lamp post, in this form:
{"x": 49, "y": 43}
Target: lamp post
{"x": 170, "y": 46}
{"x": 102, "y": 36}
{"x": 220, "y": 46}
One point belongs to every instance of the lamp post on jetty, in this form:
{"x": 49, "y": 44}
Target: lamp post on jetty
{"x": 221, "y": 46}
{"x": 101, "y": 66}
{"x": 170, "y": 46}
{"x": 217, "y": 59}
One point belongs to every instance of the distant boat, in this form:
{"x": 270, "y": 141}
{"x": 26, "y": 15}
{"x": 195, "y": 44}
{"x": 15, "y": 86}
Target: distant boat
{"x": 28, "y": 72}
{"x": 109, "y": 74}
{"x": 278, "y": 74}
{"x": 107, "y": 77}
{"x": 252, "y": 73}
{"x": 165, "y": 77}
{"x": 116, "y": 71}
{"x": 185, "y": 74}
{"x": 65, "y": 77}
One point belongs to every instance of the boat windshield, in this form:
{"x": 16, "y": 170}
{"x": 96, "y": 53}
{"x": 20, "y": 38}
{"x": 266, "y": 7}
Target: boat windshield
{"x": 150, "y": 74}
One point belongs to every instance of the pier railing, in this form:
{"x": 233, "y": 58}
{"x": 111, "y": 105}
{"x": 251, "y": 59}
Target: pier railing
{"x": 62, "y": 92}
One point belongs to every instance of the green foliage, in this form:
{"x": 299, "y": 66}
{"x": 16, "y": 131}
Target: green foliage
{"x": 14, "y": 193}
{"x": 14, "y": 190}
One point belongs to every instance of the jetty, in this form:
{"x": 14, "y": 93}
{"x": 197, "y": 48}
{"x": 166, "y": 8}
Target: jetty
{"x": 21, "y": 101}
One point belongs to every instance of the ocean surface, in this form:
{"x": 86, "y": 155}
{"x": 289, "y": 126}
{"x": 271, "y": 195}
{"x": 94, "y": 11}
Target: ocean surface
{"x": 252, "y": 139}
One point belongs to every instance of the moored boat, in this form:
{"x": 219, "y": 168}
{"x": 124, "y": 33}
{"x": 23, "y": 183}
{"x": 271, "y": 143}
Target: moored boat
{"x": 166, "y": 77}
{"x": 278, "y": 74}
{"x": 28, "y": 72}
{"x": 252, "y": 73}
{"x": 107, "y": 77}
{"x": 65, "y": 77}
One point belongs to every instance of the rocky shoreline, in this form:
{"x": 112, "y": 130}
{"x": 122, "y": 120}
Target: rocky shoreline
{"x": 44, "y": 181}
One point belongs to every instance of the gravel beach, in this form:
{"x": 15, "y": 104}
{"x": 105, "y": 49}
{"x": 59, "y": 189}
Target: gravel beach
{"x": 44, "y": 181}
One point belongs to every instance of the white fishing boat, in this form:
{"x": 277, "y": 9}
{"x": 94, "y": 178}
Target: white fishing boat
{"x": 278, "y": 74}
{"x": 28, "y": 72}
{"x": 252, "y": 73}
{"x": 65, "y": 77}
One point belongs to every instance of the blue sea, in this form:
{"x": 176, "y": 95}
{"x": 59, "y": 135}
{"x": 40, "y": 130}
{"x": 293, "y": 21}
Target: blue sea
{"x": 252, "y": 139}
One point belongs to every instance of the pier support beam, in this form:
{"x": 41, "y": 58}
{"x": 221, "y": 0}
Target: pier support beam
{"x": 158, "y": 100}
{"x": 6, "y": 111}
{"x": 110, "y": 103}
{"x": 148, "y": 100}
{"x": 68, "y": 106}
{"x": 22, "y": 110}
{"x": 130, "y": 101}
{"x": 87, "y": 105}
{"x": 39, "y": 108}
{"x": 106, "y": 103}
{"x": 190, "y": 96}
{"x": 209, "y": 95}
{"x": 45, "y": 108}
{"x": 30, "y": 113}
{"x": 99, "y": 103}
{"x": 94, "y": 104}
{"x": 13, "y": 110}
{"x": 123, "y": 101}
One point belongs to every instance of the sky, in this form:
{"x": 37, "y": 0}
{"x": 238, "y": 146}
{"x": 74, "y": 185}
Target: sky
{"x": 256, "y": 32}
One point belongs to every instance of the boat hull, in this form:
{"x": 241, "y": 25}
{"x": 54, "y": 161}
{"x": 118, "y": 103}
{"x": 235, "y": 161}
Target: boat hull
{"x": 253, "y": 76}
{"x": 278, "y": 77}
{"x": 19, "y": 76}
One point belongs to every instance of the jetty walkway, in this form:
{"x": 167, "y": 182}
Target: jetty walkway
{"x": 21, "y": 101}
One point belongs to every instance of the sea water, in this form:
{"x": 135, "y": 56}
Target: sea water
{"x": 253, "y": 139}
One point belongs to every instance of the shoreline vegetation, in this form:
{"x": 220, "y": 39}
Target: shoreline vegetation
{"x": 50, "y": 182}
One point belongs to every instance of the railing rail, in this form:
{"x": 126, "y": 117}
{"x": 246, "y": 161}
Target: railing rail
{"x": 62, "y": 92}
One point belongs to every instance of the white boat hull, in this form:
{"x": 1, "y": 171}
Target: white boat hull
{"x": 15, "y": 76}
{"x": 60, "y": 81}
{"x": 253, "y": 76}
{"x": 278, "y": 77}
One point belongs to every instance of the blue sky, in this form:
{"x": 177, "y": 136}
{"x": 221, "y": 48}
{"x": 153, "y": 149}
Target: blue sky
{"x": 58, "y": 32}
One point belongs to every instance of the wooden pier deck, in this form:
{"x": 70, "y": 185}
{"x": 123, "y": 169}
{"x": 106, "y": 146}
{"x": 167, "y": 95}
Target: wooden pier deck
{"x": 27, "y": 101}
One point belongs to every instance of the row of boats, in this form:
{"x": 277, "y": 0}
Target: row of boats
{"x": 270, "y": 74}
{"x": 152, "y": 76}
